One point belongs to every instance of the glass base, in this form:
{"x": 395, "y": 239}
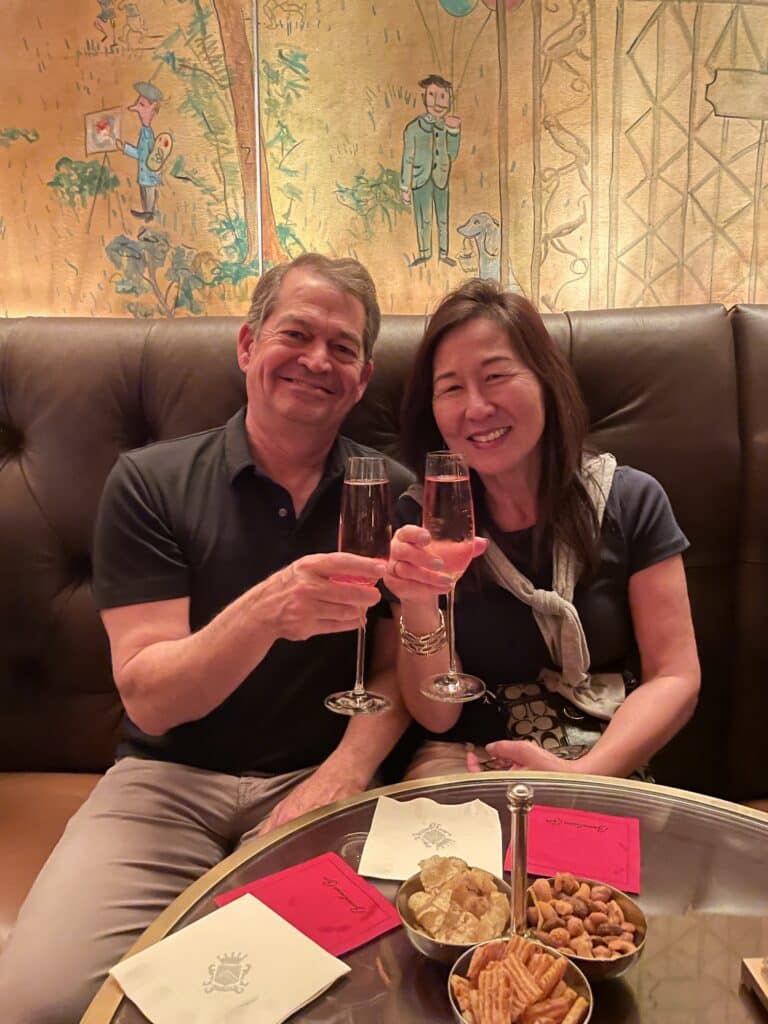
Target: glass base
{"x": 453, "y": 689}
{"x": 347, "y": 702}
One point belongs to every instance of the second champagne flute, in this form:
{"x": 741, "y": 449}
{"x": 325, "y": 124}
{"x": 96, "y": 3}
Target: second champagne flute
{"x": 365, "y": 528}
{"x": 449, "y": 516}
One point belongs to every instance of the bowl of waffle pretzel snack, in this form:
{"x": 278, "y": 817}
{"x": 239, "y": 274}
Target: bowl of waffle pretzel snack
{"x": 449, "y": 906}
{"x": 598, "y": 927}
{"x": 518, "y": 981}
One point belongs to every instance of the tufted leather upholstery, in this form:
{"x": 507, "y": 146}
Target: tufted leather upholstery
{"x": 681, "y": 392}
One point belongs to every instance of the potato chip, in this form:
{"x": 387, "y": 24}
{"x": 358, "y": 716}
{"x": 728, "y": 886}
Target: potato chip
{"x": 501, "y": 989}
{"x": 459, "y": 904}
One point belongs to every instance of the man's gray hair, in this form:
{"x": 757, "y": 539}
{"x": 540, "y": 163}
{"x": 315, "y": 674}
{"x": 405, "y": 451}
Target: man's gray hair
{"x": 349, "y": 275}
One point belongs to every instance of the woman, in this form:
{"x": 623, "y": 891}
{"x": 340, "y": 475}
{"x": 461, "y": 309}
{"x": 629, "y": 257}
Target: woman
{"x": 557, "y": 524}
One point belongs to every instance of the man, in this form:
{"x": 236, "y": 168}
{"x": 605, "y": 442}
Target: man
{"x": 146, "y": 105}
{"x": 430, "y": 145}
{"x": 215, "y": 567}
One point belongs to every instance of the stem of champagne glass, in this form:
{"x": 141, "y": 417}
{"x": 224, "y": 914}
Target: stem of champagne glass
{"x": 449, "y": 636}
{"x": 359, "y": 688}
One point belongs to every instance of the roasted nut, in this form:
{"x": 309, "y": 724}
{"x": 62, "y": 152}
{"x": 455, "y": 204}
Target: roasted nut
{"x": 584, "y": 891}
{"x": 566, "y": 882}
{"x": 559, "y": 937}
{"x": 563, "y": 908}
{"x": 602, "y": 953}
{"x": 614, "y": 912}
{"x": 597, "y": 905}
{"x": 575, "y": 926}
{"x": 581, "y": 946}
{"x": 600, "y": 892}
{"x": 593, "y": 920}
{"x": 553, "y": 922}
{"x": 580, "y": 907}
{"x": 547, "y": 911}
{"x": 613, "y": 930}
{"x": 621, "y": 947}
{"x": 532, "y": 916}
{"x": 542, "y": 889}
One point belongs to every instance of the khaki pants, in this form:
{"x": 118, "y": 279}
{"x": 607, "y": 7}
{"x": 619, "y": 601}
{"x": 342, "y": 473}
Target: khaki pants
{"x": 148, "y": 830}
{"x": 437, "y": 757}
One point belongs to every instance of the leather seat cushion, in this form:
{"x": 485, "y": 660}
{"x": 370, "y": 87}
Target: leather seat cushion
{"x": 36, "y": 806}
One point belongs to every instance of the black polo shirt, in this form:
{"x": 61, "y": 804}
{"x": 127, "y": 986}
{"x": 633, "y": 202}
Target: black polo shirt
{"x": 195, "y": 517}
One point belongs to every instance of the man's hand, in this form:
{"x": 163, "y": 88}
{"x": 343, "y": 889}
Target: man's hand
{"x": 120, "y": 144}
{"x": 452, "y": 121}
{"x": 406, "y": 196}
{"x": 327, "y": 784}
{"x": 326, "y": 593}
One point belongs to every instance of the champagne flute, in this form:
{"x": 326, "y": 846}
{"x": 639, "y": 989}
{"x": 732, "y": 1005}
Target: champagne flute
{"x": 364, "y": 529}
{"x": 449, "y": 516}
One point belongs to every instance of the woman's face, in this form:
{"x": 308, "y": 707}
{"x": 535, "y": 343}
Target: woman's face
{"x": 488, "y": 405}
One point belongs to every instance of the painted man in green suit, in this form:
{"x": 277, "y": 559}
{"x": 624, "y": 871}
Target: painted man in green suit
{"x": 430, "y": 145}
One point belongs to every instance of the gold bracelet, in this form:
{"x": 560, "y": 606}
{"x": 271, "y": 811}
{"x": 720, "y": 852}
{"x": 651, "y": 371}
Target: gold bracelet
{"x": 424, "y": 644}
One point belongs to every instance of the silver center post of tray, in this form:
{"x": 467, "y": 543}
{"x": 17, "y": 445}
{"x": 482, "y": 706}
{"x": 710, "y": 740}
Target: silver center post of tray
{"x": 519, "y": 801}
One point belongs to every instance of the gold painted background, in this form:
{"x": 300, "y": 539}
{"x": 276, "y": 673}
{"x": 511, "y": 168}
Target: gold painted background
{"x": 635, "y": 136}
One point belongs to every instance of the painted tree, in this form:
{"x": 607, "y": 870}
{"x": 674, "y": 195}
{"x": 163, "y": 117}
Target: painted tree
{"x": 239, "y": 61}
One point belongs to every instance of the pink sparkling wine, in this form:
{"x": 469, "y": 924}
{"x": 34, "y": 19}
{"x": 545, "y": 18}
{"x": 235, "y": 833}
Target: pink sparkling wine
{"x": 449, "y": 517}
{"x": 365, "y": 523}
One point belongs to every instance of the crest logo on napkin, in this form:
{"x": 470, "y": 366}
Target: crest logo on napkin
{"x": 228, "y": 975}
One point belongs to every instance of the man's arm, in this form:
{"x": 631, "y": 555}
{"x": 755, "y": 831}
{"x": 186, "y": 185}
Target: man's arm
{"x": 167, "y": 675}
{"x": 366, "y": 742}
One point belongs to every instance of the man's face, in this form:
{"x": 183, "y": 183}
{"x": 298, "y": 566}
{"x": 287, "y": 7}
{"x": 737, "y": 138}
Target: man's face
{"x": 146, "y": 109}
{"x": 437, "y": 100}
{"x": 307, "y": 365}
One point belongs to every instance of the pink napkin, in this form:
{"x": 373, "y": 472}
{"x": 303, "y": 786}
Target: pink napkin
{"x": 325, "y": 900}
{"x": 604, "y": 847}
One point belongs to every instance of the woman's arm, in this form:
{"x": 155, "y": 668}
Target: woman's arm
{"x": 414, "y": 576}
{"x": 666, "y": 698}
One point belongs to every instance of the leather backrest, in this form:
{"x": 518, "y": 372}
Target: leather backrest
{"x": 662, "y": 389}
{"x": 748, "y": 701}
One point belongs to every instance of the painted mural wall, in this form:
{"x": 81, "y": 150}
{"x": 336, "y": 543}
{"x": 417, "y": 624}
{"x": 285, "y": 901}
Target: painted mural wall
{"x": 589, "y": 152}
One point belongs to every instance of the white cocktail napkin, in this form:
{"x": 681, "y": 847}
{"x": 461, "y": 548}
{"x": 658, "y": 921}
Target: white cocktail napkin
{"x": 240, "y": 964}
{"x": 404, "y": 832}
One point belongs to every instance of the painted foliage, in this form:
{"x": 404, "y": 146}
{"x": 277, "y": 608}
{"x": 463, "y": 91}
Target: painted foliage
{"x": 588, "y": 152}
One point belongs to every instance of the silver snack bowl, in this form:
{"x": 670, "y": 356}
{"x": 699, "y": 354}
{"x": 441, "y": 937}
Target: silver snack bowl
{"x": 596, "y": 970}
{"x": 442, "y": 952}
{"x": 573, "y": 977}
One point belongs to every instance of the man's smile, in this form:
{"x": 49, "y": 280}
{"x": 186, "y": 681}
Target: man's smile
{"x": 306, "y": 384}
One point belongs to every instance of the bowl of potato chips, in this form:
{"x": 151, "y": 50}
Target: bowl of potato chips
{"x": 599, "y": 927}
{"x": 517, "y": 980}
{"x": 449, "y": 906}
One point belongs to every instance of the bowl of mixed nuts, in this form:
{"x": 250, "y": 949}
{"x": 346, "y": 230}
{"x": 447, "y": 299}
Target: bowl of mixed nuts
{"x": 598, "y": 927}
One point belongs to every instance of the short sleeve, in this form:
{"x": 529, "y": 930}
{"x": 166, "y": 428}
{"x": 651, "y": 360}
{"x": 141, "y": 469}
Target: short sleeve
{"x": 136, "y": 557}
{"x": 646, "y": 519}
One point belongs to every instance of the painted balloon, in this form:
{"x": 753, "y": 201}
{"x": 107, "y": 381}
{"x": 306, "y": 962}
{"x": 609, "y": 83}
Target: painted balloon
{"x": 458, "y": 8}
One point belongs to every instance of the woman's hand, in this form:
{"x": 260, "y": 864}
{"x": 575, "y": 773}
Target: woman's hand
{"x": 413, "y": 572}
{"x": 520, "y": 754}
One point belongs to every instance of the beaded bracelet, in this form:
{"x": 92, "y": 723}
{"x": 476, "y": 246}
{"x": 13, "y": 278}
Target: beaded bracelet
{"x": 426, "y": 643}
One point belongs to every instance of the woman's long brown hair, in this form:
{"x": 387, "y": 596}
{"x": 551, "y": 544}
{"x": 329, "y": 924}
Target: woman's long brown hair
{"x": 564, "y": 508}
